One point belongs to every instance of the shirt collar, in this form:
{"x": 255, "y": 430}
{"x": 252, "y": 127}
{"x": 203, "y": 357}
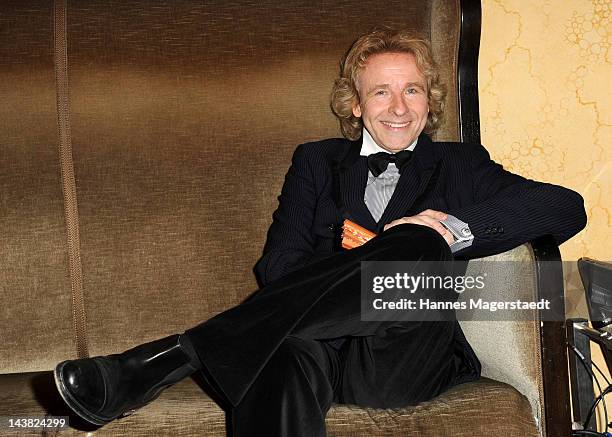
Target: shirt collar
{"x": 369, "y": 146}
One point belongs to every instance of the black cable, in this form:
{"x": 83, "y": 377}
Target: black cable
{"x": 600, "y": 397}
{"x": 601, "y": 373}
{"x": 601, "y": 392}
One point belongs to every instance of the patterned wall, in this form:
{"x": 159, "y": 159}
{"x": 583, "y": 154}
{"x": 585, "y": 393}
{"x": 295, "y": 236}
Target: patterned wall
{"x": 545, "y": 82}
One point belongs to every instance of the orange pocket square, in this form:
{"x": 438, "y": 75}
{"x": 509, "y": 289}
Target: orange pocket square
{"x": 354, "y": 235}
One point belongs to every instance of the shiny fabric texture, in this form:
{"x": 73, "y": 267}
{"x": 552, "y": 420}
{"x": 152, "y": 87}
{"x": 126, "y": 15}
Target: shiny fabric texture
{"x": 157, "y": 92}
{"x": 184, "y": 410}
{"x": 35, "y": 313}
{"x": 157, "y": 89}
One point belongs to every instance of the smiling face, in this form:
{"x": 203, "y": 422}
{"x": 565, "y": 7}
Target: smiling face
{"x": 393, "y": 100}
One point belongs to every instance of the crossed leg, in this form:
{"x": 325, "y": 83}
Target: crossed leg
{"x": 277, "y": 358}
{"x": 283, "y": 356}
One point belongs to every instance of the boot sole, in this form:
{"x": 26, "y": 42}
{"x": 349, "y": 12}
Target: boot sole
{"x": 72, "y": 402}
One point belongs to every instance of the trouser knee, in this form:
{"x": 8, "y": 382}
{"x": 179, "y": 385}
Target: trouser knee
{"x": 296, "y": 357}
{"x": 410, "y": 241}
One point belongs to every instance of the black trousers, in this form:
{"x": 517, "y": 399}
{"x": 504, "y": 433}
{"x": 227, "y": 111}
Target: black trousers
{"x": 284, "y": 356}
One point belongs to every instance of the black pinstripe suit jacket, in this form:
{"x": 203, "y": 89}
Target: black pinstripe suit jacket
{"x": 502, "y": 209}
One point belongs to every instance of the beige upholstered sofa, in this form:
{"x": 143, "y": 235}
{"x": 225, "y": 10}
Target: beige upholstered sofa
{"x": 123, "y": 124}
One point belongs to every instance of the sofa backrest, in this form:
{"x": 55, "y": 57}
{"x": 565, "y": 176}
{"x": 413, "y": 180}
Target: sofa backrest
{"x": 183, "y": 118}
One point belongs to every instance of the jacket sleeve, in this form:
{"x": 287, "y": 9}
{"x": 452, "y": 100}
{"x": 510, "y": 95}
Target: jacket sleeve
{"x": 510, "y": 210}
{"x": 290, "y": 242}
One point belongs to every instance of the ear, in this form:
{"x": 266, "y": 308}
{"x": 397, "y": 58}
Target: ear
{"x": 356, "y": 110}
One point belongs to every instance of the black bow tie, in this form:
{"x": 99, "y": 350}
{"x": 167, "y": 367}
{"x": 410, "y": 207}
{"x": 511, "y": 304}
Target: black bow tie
{"x": 378, "y": 162}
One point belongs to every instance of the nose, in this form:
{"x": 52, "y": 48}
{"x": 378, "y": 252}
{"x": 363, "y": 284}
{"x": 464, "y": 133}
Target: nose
{"x": 398, "y": 105}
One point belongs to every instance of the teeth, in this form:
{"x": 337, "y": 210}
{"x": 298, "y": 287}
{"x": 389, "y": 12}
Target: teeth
{"x": 396, "y": 125}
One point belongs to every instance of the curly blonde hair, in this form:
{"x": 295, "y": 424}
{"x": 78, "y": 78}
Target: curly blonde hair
{"x": 345, "y": 94}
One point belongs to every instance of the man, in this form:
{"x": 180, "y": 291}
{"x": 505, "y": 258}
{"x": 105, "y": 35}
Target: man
{"x": 281, "y": 359}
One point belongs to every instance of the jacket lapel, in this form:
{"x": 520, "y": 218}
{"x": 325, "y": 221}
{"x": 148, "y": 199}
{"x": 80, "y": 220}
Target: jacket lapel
{"x": 352, "y": 178}
{"x": 413, "y": 181}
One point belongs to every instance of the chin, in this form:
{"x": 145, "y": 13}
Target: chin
{"x": 399, "y": 146}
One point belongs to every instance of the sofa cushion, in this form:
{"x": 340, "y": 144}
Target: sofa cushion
{"x": 476, "y": 408}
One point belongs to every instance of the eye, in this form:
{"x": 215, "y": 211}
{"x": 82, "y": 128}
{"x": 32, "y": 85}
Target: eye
{"x": 412, "y": 91}
{"x": 380, "y": 93}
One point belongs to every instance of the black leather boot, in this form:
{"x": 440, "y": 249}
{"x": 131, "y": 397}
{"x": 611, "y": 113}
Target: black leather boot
{"x": 101, "y": 389}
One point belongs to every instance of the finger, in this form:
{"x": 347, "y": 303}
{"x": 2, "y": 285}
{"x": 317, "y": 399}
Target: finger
{"x": 391, "y": 224}
{"x": 442, "y": 230}
{"x": 434, "y": 224}
{"x": 439, "y": 215}
{"x": 396, "y": 222}
{"x": 430, "y": 223}
{"x": 425, "y": 218}
{"x": 449, "y": 237}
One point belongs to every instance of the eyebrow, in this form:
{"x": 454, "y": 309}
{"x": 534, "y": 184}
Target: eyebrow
{"x": 416, "y": 85}
{"x": 386, "y": 86}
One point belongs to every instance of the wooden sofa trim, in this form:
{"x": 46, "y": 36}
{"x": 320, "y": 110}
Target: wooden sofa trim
{"x": 555, "y": 379}
{"x": 467, "y": 74}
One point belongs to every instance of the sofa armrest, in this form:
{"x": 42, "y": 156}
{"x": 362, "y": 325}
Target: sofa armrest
{"x": 526, "y": 353}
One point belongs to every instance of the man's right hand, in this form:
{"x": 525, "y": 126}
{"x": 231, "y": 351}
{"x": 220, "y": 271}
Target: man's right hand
{"x": 430, "y": 218}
